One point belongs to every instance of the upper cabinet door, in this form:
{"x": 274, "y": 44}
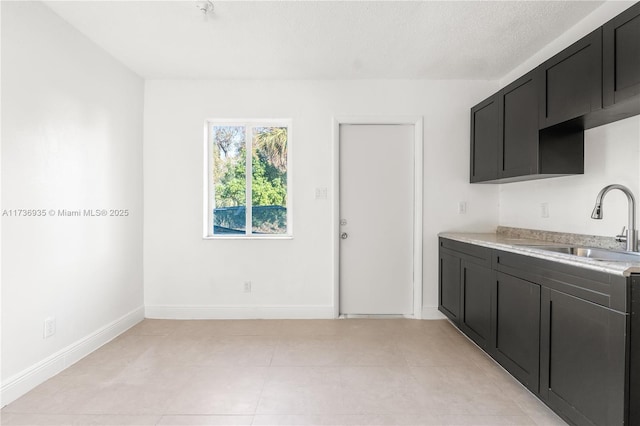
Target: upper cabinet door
{"x": 621, "y": 57}
{"x": 571, "y": 81}
{"x": 485, "y": 136}
{"x": 518, "y": 150}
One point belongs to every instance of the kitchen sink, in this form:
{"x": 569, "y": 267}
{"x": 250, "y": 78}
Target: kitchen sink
{"x": 593, "y": 253}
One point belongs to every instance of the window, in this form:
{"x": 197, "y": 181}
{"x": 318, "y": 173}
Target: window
{"x": 248, "y": 179}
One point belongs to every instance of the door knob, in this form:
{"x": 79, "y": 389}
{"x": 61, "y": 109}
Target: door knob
{"x": 344, "y": 235}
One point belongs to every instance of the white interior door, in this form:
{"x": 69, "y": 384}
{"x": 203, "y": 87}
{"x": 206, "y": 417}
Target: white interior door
{"x": 376, "y": 219}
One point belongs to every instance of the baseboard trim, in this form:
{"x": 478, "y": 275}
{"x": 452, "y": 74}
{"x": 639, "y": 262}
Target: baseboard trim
{"x": 31, "y": 377}
{"x": 432, "y": 313}
{"x": 186, "y": 312}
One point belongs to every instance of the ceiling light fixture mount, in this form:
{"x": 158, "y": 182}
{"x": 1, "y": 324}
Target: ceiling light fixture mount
{"x": 205, "y": 6}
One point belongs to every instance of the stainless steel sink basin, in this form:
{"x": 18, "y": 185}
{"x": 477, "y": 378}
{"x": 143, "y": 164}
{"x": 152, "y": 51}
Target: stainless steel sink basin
{"x": 593, "y": 253}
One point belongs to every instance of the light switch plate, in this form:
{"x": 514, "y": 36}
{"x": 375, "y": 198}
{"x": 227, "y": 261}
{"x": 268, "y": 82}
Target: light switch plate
{"x": 462, "y": 207}
{"x": 544, "y": 210}
{"x": 321, "y": 193}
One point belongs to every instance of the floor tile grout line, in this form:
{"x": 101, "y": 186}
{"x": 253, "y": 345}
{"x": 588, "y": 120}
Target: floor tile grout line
{"x": 404, "y": 361}
{"x": 264, "y": 384}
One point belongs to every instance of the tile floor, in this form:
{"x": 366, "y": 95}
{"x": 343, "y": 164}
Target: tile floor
{"x": 283, "y": 372}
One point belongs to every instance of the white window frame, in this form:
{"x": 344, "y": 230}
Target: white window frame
{"x": 209, "y": 186}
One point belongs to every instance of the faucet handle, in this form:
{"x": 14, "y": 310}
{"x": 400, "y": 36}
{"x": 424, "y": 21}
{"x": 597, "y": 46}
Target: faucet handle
{"x": 623, "y": 235}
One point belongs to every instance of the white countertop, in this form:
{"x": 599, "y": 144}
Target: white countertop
{"x": 520, "y": 246}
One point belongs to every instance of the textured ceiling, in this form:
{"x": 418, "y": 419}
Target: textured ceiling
{"x": 323, "y": 39}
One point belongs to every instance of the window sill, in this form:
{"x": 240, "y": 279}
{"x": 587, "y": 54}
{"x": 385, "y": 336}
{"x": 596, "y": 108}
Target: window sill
{"x": 252, "y": 237}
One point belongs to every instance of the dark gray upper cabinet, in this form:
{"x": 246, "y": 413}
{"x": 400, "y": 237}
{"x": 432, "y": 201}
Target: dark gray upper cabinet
{"x": 518, "y": 146}
{"x": 534, "y": 127}
{"x": 621, "y": 63}
{"x": 484, "y": 140}
{"x": 571, "y": 82}
{"x": 506, "y": 145}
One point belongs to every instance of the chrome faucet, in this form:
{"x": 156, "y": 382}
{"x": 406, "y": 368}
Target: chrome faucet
{"x": 631, "y": 234}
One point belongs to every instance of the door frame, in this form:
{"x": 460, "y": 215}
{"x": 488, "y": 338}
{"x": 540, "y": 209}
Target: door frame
{"x": 418, "y": 161}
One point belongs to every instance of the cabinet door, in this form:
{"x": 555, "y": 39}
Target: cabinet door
{"x": 449, "y": 303}
{"x": 621, "y": 57}
{"x": 516, "y": 335}
{"x": 571, "y": 81}
{"x": 518, "y": 150}
{"x": 582, "y": 359}
{"x": 484, "y": 140}
{"x": 634, "y": 351}
{"x": 475, "y": 318}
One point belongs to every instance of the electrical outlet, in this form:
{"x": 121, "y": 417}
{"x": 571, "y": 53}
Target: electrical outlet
{"x": 462, "y": 207}
{"x": 544, "y": 210}
{"x": 49, "y": 327}
{"x": 247, "y": 286}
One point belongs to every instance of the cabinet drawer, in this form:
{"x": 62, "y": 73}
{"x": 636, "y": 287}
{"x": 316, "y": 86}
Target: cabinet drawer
{"x": 468, "y": 252}
{"x": 594, "y": 286}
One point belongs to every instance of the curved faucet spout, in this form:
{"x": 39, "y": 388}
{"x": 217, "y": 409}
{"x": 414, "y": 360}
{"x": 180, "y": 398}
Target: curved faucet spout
{"x": 632, "y": 235}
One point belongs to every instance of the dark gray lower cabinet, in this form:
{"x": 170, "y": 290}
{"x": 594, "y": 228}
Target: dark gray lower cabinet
{"x": 475, "y": 319}
{"x": 466, "y": 269}
{"x": 449, "y": 283}
{"x": 634, "y": 353}
{"x": 583, "y": 359}
{"x": 516, "y": 319}
{"x": 569, "y": 334}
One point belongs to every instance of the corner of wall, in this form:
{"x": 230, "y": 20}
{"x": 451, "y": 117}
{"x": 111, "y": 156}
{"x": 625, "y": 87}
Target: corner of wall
{"x": 23, "y": 382}
{"x": 86, "y": 134}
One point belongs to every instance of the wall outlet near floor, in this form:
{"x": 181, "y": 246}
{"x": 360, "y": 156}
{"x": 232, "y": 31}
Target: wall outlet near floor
{"x": 49, "y": 327}
{"x": 462, "y": 207}
{"x": 247, "y": 286}
{"x": 544, "y": 210}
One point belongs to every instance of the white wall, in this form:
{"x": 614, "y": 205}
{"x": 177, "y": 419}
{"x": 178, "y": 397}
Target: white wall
{"x": 186, "y": 276}
{"x": 612, "y": 155}
{"x": 71, "y": 139}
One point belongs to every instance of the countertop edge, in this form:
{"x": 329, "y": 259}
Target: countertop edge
{"x": 495, "y": 241}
